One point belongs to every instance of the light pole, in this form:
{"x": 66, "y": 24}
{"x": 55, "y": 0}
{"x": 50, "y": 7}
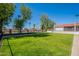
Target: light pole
{"x": 75, "y": 23}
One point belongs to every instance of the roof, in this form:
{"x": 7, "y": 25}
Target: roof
{"x": 66, "y": 25}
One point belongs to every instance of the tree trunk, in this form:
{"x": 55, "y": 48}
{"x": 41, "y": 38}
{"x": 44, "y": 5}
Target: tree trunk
{"x": 42, "y": 28}
{"x": 10, "y": 31}
{"x": 1, "y": 33}
{"x": 20, "y": 30}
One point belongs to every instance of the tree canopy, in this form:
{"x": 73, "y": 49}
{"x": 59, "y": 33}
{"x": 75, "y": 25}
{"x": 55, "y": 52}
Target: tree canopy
{"x": 25, "y": 15}
{"x": 18, "y": 24}
{"x": 6, "y": 12}
{"x": 46, "y": 22}
{"x": 26, "y": 12}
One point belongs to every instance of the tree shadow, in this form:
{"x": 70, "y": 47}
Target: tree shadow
{"x": 31, "y": 34}
{"x": 20, "y": 35}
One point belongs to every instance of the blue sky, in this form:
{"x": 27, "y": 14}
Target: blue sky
{"x": 60, "y": 13}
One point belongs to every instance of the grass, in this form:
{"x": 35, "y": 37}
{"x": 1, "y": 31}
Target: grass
{"x": 39, "y": 44}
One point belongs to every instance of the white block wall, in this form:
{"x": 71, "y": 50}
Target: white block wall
{"x": 59, "y": 29}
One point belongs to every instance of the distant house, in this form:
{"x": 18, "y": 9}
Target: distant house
{"x": 66, "y": 27}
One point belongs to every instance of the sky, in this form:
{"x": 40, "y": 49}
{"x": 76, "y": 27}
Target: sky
{"x": 60, "y": 13}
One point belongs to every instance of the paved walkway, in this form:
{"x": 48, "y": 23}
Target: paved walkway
{"x": 65, "y": 32}
{"x": 75, "y": 47}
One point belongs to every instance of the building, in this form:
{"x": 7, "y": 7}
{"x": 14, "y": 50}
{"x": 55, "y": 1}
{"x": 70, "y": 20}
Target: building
{"x": 66, "y": 27}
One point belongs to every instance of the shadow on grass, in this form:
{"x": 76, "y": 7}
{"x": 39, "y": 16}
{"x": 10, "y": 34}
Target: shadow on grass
{"x": 20, "y": 35}
{"x": 33, "y": 34}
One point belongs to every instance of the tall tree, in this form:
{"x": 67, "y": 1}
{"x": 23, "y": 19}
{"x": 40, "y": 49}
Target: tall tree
{"x": 34, "y": 29}
{"x": 26, "y": 12}
{"x": 6, "y": 12}
{"x": 46, "y": 22}
{"x": 25, "y": 15}
{"x": 19, "y": 24}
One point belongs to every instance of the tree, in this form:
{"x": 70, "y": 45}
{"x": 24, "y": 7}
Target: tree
{"x": 25, "y": 15}
{"x": 6, "y": 12}
{"x": 46, "y": 22}
{"x": 51, "y": 24}
{"x": 26, "y": 12}
{"x": 19, "y": 24}
{"x": 34, "y": 29}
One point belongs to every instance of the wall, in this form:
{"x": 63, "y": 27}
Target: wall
{"x": 59, "y": 29}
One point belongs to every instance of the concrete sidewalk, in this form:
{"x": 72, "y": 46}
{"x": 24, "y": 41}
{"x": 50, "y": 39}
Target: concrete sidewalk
{"x": 65, "y": 32}
{"x": 75, "y": 46}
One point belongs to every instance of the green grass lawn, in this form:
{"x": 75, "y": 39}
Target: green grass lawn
{"x": 40, "y": 44}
